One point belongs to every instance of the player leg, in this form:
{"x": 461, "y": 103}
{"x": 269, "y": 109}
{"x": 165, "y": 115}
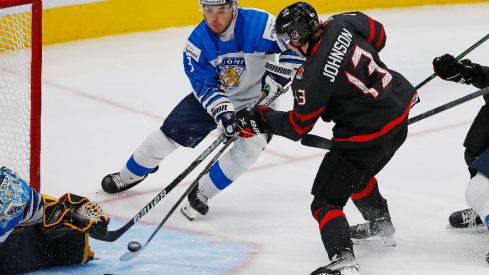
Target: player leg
{"x": 335, "y": 181}
{"x": 477, "y": 192}
{"x": 367, "y": 198}
{"x": 373, "y": 207}
{"x": 226, "y": 170}
{"x": 187, "y": 125}
{"x": 475, "y": 143}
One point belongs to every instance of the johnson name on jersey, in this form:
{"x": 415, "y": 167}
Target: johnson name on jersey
{"x": 345, "y": 81}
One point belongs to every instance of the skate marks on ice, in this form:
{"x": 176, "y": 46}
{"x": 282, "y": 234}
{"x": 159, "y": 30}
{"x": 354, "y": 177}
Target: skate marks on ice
{"x": 379, "y": 242}
{"x": 173, "y": 252}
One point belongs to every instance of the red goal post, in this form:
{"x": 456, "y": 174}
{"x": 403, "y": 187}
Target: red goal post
{"x": 20, "y": 88}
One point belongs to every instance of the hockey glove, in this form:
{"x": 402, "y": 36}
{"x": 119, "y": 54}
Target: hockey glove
{"x": 225, "y": 117}
{"x": 276, "y": 76}
{"x": 252, "y": 123}
{"x": 457, "y": 71}
{"x": 72, "y": 212}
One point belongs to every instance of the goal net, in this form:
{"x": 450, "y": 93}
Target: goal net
{"x": 20, "y": 87}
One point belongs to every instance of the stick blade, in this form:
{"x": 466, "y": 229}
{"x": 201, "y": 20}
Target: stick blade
{"x": 130, "y": 255}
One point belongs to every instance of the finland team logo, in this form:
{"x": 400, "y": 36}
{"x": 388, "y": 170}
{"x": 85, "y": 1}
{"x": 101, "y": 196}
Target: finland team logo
{"x": 230, "y": 70}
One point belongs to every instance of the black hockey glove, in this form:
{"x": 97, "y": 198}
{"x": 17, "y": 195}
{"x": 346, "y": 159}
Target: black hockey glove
{"x": 252, "y": 123}
{"x": 457, "y": 71}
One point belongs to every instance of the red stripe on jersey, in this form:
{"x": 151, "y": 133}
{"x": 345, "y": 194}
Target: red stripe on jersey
{"x": 315, "y": 49}
{"x": 303, "y": 118}
{"x": 385, "y": 129}
{"x": 372, "y": 30}
{"x": 382, "y": 35}
{"x": 366, "y": 191}
{"x": 329, "y": 216}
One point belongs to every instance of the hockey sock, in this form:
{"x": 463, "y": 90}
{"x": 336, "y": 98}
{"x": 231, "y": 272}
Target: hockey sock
{"x": 147, "y": 156}
{"x": 213, "y": 182}
{"x": 232, "y": 164}
{"x": 334, "y": 228}
{"x": 477, "y": 196}
{"x": 370, "y": 202}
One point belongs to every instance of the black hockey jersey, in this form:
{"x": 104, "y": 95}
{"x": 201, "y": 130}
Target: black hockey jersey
{"x": 345, "y": 81}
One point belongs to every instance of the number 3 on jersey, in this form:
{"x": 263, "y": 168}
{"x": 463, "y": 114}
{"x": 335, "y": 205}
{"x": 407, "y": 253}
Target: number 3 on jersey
{"x": 372, "y": 67}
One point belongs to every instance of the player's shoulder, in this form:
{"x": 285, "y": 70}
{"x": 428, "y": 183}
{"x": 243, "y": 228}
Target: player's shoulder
{"x": 255, "y": 24}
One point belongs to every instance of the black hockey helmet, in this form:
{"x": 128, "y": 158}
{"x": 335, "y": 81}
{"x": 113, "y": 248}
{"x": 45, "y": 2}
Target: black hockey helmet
{"x": 295, "y": 22}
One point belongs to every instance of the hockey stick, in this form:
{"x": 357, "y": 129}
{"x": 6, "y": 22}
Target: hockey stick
{"x": 134, "y": 247}
{"x": 449, "y": 105}
{"x": 114, "y": 235}
{"x": 324, "y": 143}
{"x": 311, "y": 140}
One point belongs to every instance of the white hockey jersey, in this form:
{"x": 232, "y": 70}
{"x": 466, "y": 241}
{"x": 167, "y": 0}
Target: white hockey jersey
{"x": 230, "y": 66}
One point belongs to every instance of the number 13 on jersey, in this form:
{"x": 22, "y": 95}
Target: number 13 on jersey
{"x": 372, "y": 68}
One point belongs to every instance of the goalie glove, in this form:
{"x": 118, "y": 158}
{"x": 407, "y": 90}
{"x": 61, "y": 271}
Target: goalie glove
{"x": 252, "y": 123}
{"x": 457, "y": 71}
{"x": 72, "y": 212}
{"x": 276, "y": 77}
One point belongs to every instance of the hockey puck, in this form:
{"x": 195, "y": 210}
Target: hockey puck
{"x": 134, "y": 246}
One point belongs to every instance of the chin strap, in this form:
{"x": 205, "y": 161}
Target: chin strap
{"x": 310, "y": 47}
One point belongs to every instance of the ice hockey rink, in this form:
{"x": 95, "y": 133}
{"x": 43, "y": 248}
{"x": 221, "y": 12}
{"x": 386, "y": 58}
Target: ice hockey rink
{"x": 102, "y": 97}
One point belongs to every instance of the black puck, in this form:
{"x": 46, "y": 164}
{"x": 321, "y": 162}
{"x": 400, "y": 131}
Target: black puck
{"x": 134, "y": 246}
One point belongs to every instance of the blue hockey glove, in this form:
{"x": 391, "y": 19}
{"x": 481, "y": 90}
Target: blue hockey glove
{"x": 225, "y": 118}
{"x": 276, "y": 76}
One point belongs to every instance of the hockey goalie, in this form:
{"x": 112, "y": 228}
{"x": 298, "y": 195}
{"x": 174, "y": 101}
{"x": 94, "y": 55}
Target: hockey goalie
{"x": 38, "y": 231}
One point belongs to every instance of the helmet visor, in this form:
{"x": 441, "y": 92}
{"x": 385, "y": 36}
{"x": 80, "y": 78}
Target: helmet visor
{"x": 286, "y": 38}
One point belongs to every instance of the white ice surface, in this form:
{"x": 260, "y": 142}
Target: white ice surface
{"x": 102, "y": 97}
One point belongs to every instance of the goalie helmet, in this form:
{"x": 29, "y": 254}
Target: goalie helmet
{"x": 14, "y": 193}
{"x": 234, "y": 3}
{"x": 295, "y": 22}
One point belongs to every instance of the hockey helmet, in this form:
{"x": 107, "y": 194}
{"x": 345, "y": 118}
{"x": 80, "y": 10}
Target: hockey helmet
{"x": 234, "y": 3}
{"x": 13, "y": 195}
{"x": 295, "y": 22}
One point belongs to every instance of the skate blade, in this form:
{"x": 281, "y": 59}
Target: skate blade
{"x": 449, "y": 226}
{"x": 189, "y": 212}
{"x": 376, "y": 241}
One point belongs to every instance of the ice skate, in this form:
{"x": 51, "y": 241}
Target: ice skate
{"x": 113, "y": 183}
{"x": 196, "y": 204}
{"x": 344, "y": 263}
{"x": 464, "y": 219}
{"x": 378, "y": 231}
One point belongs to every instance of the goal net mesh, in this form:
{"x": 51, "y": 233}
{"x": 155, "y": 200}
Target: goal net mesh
{"x": 15, "y": 88}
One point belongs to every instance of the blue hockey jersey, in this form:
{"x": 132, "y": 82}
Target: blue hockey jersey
{"x": 229, "y": 67}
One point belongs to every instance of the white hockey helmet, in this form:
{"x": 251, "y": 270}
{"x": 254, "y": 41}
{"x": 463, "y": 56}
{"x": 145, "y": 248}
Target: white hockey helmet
{"x": 234, "y": 3}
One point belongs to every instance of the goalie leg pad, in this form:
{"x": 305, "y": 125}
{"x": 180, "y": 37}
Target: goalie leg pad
{"x": 28, "y": 249}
